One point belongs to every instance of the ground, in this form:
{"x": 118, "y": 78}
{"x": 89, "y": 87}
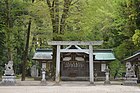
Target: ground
{"x": 68, "y": 87}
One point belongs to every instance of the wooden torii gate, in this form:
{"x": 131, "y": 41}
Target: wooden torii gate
{"x": 90, "y": 51}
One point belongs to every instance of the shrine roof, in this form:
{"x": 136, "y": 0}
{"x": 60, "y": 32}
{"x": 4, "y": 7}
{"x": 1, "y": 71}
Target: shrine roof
{"x": 104, "y": 54}
{"x": 134, "y": 58}
{"x": 100, "y": 54}
{"x": 43, "y": 54}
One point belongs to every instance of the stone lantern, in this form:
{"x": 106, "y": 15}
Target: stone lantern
{"x": 43, "y": 56}
{"x": 43, "y": 69}
{"x": 107, "y": 81}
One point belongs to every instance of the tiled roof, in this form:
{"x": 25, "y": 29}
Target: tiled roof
{"x": 104, "y": 54}
{"x": 135, "y": 57}
{"x": 43, "y": 54}
{"x": 100, "y": 54}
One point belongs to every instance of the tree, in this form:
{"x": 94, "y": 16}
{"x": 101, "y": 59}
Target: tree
{"x": 25, "y": 56}
{"x": 59, "y": 12}
{"x": 26, "y": 51}
{"x": 124, "y": 24}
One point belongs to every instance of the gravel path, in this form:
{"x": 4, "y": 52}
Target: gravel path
{"x": 70, "y": 89}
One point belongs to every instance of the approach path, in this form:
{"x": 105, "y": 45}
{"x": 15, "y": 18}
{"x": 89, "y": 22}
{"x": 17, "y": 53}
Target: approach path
{"x": 68, "y": 87}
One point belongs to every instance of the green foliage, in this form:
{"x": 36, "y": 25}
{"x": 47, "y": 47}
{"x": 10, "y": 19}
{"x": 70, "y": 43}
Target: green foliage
{"x": 136, "y": 38}
{"x": 41, "y": 30}
{"x": 2, "y": 48}
{"x": 116, "y": 68}
{"x": 2, "y": 39}
{"x": 12, "y": 29}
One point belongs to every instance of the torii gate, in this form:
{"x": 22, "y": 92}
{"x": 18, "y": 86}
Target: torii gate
{"x": 90, "y": 51}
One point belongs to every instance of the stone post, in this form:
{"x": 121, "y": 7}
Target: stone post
{"x": 91, "y": 70}
{"x": 107, "y": 81}
{"x": 43, "y": 80}
{"x": 57, "y": 77}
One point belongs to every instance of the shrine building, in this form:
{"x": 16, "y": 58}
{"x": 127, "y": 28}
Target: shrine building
{"x": 75, "y": 62}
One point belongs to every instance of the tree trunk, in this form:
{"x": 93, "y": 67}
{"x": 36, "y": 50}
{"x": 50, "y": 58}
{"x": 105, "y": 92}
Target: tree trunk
{"x": 26, "y": 52}
{"x": 54, "y": 13}
{"x": 64, "y": 15}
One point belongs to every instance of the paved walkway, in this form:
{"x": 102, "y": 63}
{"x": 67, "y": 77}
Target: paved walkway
{"x": 62, "y": 83}
{"x": 70, "y": 89}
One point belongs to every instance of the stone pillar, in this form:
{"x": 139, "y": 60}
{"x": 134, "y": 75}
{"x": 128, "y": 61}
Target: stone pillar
{"x": 91, "y": 70}
{"x": 107, "y": 81}
{"x": 43, "y": 80}
{"x": 57, "y": 77}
